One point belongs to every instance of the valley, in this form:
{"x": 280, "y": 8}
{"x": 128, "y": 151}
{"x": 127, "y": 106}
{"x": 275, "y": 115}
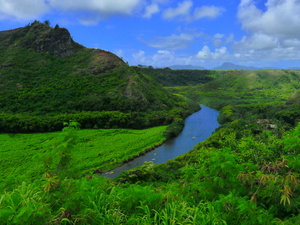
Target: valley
{"x": 70, "y": 113}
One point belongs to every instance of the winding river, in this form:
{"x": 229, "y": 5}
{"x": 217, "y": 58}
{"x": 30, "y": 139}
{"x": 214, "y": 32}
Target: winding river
{"x": 198, "y": 127}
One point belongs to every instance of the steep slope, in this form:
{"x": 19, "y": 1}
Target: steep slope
{"x": 44, "y": 72}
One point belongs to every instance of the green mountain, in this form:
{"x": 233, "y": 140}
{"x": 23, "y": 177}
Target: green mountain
{"x": 183, "y": 77}
{"x": 241, "y": 87}
{"x": 43, "y": 72}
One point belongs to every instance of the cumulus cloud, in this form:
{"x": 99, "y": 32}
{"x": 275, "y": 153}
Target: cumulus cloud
{"x": 280, "y": 18}
{"x": 150, "y": 10}
{"x": 219, "y": 53}
{"x": 257, "y": 41}
{"x": 103, "y": 7}
{"x": 88, "y": 11}
{"x": 183, "y": 12}
{"x": 22, "y": 10}
{"x": 172, "y": 42}
{"x": 96, "y": 10}
{"x": 273, "y": 33}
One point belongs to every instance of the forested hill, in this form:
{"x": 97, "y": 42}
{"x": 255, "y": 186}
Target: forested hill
{"x": 241, "y": 87}
{"x": 168, "y": 77}
{"x": 44, "y": 73}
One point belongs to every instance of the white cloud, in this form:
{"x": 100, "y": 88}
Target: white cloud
{"x": 183, "y": 9}
{"x": 220, "y": 53}
{"x": 139, "y": 56}
{"x": 96, "y": 10}
{"x": 150, "y": 10}
{"x": 273, "y": 33}
{"x": 172, "y": 42}
{"x": 22, "y": 10}
{"x": 257, "y": 41}
{"x": 89, "y": 12}
{"x": 217, "y": 35}
{"x": 210, "y": 12}
{"x": 183, "y": 12}
{"x": 280, "y": 18}
{"x": 204, "y": 53}
{"x": 103, "y": 7}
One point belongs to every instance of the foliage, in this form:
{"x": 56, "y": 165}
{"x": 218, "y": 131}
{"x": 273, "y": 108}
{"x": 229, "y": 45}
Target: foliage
{"x": 170, "y": 78}
{"x": 40, "y": 89}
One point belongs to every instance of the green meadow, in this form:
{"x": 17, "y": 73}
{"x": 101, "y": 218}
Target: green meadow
{"x": 22, "y": 155}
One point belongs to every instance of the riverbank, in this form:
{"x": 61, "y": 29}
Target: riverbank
{"x": 198, "y": 127}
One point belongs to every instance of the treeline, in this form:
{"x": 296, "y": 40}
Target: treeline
{"x": 247, "y": 171}
{"x": 170, "y": 78}
{"x": 262, "y": 113}
{"x": 27, "y": 123}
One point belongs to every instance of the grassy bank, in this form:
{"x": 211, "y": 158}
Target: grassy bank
{"x": 23, "y": 155}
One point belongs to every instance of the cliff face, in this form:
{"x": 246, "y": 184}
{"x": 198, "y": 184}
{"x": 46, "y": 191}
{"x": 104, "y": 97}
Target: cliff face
{"x": 57, "y": 41}
{"x": 41, "y": 38}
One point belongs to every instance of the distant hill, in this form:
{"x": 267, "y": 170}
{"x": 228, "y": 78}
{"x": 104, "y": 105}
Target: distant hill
{"x": 294, "y": 68}
{"x": 170, "y": 78}
{"x": 186, "y": 67}
{"x": 238, "y": 86}
{"x": 44, "y": 73}
{"x": 231, "y": 66}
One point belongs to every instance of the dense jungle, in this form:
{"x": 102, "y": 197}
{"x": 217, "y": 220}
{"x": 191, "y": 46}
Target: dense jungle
{"x": 69, "y": 113}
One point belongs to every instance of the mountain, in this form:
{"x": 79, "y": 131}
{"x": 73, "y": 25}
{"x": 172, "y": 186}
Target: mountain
{"x": 231, "y": 66}
{"x": 294, "y": 68}
{"x": 45, "y": 73}
{"x": 186, "y": 67}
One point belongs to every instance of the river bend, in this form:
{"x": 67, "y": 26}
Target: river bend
{"x": 198, "y": 127}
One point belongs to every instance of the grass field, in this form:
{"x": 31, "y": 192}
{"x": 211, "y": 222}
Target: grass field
{"x": 21, "y": 154}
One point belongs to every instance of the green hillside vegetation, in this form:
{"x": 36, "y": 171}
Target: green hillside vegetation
{"x": 93, "y": 151}
{"x": 241, "y": 87}
{"x": 44, "y": 74}
{"x": 170, "y": 78}
{"x": 247, "y": 172}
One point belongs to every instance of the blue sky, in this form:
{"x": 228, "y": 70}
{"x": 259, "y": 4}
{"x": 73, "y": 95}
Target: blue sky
{"x": 162, "y": 33}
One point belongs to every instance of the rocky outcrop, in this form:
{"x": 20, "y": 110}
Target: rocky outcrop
{"x": 57, "y": 41}
{"x": 43, "y": 38}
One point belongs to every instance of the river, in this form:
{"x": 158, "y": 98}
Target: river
{"x": 198, "y": 127}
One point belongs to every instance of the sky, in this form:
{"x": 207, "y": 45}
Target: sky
{"x": 162, "y": 33}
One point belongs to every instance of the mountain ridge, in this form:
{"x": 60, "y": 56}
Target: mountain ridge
{"x": 44, "y": 72}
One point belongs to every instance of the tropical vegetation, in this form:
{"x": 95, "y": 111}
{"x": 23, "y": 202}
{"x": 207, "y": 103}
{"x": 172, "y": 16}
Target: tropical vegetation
{"x": 247, "y": 172}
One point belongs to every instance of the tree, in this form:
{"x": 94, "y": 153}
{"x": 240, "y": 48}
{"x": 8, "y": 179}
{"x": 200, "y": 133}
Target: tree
{"x": 47, "y": 22}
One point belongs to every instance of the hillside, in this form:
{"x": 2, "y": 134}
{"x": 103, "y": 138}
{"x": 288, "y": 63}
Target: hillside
{"x": 239, "y": 87}
{"x": 179, "y": 77}
{"x": 43, "y": 72}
